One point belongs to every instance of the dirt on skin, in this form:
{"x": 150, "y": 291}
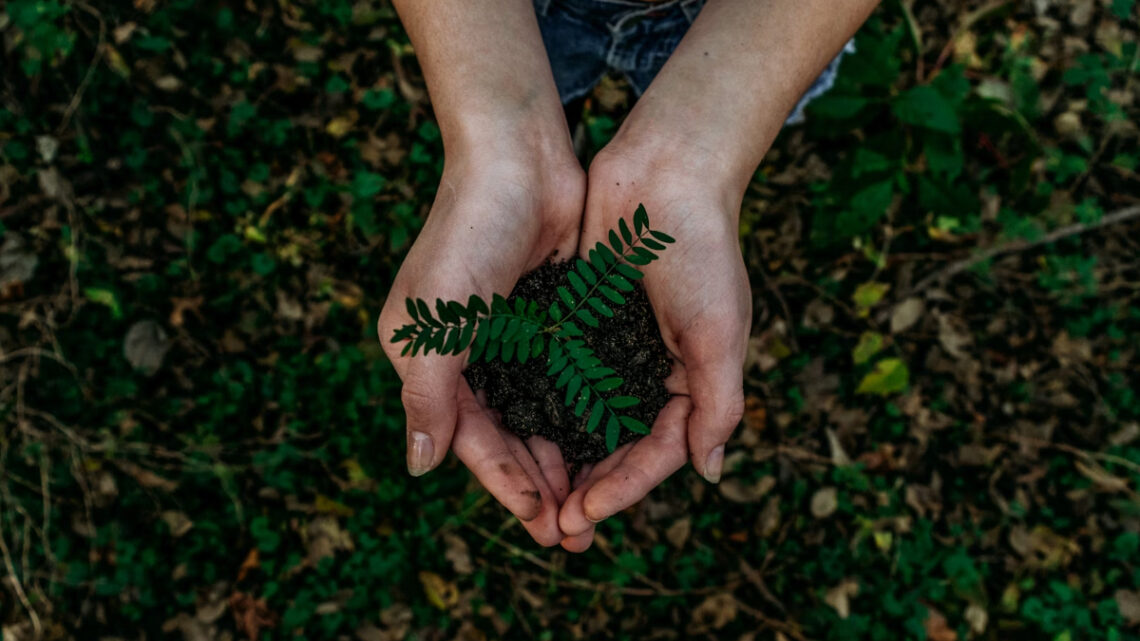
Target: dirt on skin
{"x": 629, "y": 343}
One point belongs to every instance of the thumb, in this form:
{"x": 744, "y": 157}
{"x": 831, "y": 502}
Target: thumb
{"x": 716, "y": 388}
{"x": 431, "y": 385}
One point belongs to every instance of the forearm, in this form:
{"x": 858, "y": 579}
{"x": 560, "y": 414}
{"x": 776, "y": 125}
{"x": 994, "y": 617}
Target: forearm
{"x": 487, "y": 72}
{"x": 725, "y": 92}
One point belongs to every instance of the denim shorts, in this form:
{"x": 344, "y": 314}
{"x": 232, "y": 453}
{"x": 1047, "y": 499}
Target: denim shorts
{"x": 585, "y": 39}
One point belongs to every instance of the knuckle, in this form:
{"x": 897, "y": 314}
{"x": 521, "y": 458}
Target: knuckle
{"x": 418, "y": 400}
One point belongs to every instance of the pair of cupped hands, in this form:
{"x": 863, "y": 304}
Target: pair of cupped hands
{"x": 502, "y": 211}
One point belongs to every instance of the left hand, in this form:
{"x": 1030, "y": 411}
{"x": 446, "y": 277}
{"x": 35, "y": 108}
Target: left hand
{"x": 700, "y": 294}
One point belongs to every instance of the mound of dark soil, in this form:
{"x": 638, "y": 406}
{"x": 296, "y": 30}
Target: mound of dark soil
{"x": 630, "y": 343}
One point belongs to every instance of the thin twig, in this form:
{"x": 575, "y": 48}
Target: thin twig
{"x": 953, "y": 269}
{"x": 78, "y": 97}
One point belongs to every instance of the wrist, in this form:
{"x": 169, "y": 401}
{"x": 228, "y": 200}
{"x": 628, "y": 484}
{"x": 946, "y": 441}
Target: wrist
{"x": 696, "y": 149}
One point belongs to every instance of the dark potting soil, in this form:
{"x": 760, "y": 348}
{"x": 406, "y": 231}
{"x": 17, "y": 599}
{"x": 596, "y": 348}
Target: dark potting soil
{"x": 629, "y": 343}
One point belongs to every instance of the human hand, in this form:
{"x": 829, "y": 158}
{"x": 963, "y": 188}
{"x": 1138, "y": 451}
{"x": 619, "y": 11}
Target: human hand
{"x": 700, "y": 294}
{"x": 498, "y": 214}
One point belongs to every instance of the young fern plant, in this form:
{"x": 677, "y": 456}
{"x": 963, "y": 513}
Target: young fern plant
{"x": 523, "y": 331}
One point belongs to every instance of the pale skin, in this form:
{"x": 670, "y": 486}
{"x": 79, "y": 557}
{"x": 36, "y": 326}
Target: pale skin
{"x": 513, "y": 193}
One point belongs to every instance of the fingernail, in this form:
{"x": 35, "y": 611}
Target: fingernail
{"x": 421, "y": 452}
{"x": 595, "y": 522}
{"x": 713, "y": 464}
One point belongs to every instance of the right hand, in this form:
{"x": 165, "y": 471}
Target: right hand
{"x": 498, "y": 214}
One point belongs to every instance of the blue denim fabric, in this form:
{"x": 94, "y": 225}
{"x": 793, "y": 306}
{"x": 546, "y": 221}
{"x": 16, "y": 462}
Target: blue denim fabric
{"x": 586, "y": 38}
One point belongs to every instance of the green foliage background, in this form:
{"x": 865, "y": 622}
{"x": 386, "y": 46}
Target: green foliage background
{"x": 203, "y": 203}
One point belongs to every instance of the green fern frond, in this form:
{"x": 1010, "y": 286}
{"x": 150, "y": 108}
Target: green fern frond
{"x": 520, "y": 331}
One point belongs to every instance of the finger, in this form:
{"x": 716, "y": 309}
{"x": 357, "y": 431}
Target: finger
{"x": 550, "y": 461}
{"x": 649, "y": 462}
{"x": 484, "y": 449}
{"x": 429, "y": 392}
{"x": 579, "y": 543}
{"x": 544, "y": 527}
{"x": 716, "y": 385}
{"x": 572, "y": 518}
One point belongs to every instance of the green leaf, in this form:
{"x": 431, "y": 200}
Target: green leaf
{"x": 615, "y": 242}
{"x": 626, "y": 234}
{"x": 555, "y": 312}
{"x": 570, "y": 329}
{"x": 600, "y": 307}
{"x": 890, "y": 376}
{"x": 497, "y": 325}
{"x": 613, "y": 431}
{"x": 870, "y": 343}
{"x": 652, "y": 244}
{"x": 597, "y": 261}
{"x": 507, "y": 352}
{"x": 511, "y": 330}
{"x": 407, "y": 348}
{"x": 608, "y": 256}
{"x": 662, "y": 236}
{"x": 629, "y": 272}
{"x": 595, "y": 416}
{"x": 564, "y": 378}
{"x": 557, "y": 365}
{"x": 412, "y": 311}
{"x": 566, "y": 297}
{"x": 585, "y": 272}
{"x": 583, "y": 398}
{"x": 452, "y": 339}
{"x": 522, "y": 351}
{"x": 633, "y": 425}
{"x": 445, "y": 312}
{"x": 619, "y": 281}
{"x": 465, "y": 336}
{"x": 492, "y": 350}
{"x": 923, "y": 106}
{"x": 612, "y": 295}
{"x": 572, "y": 389}
{"x": 640, "y": 219}
{"x": 608, "y": 384}
{"x": 425, "y": 313}
{"x": 586, "y": 317}
{"x": 622, "y": 402}
{"x": 476, "y": 306}
{"x": 499, "y": 305}
{"x": 598, "y": 372}
{"x": 577, "y": 282}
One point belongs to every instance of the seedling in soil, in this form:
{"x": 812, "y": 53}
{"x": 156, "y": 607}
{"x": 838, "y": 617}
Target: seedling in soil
{"x": 519, "y": 330}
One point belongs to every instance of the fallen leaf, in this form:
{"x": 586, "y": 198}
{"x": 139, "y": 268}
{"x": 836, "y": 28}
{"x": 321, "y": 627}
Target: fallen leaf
{"x": 441, "y": 593}
{"x": 978, "y": 618}
{"x": 714, "y": 613}
{"x": 145, "y": 346}
{"x": 906, "y": 314}
{"x": 839, "y": 597}
{"x": 1128, "y": 602}
{"x": 937, "y": 629}
{"x": 679, "y": 532}
{"x": 870, "y": 343}
{"x": 178, "y": 522}
{"x": 824, "y": 502}
{"x": 17, "y": 262}
{"x": 889, "y": 376}
{"x": 250, "y": 614}
{"x": 458, "y": 554}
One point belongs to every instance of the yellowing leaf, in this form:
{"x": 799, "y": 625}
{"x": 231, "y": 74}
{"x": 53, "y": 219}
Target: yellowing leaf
{"x": 870, "y": 343}
{"x": 440, "y": 593}
{"x": 341, "y": 125}
{"x": 889, "y": 377}
{"x": 868, "y": 295}
{"x": 326, "y": 505}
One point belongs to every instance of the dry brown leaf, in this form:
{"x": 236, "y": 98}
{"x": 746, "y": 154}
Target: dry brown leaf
{"x": 824, "y": 502}
{"x": 937, "y": 629}
{"x": 678, "y": 533}
{"x": 906, "y": 314}
{"x": 1128, "y": 602}
{"x": 839, "y": 597}
{"x": 441, "y": 593}
{"x": 713, "y": 613}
